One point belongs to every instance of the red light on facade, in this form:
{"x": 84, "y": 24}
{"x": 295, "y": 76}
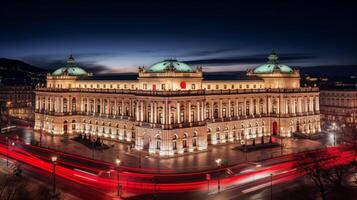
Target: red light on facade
{"x": 183, "y": 85}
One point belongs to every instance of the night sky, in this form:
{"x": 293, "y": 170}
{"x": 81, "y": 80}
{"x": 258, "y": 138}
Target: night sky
{"x": 118, "y": 36}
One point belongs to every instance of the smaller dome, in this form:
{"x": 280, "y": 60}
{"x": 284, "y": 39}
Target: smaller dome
{"x": 70, "y": 69}
{"x": 273, "y": 65}
{"x": 169, "y": 64}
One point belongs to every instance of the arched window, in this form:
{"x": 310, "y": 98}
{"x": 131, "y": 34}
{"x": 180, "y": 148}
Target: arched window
{"x": 194, "y": 139}
{"x": 158, "y": 142}
{"x": 174, "y": 142}
{"x": 184, "y": 141}
{"x": 65, "y": 105}
{"x": 74, "y": 104}
{"x": 73, "y": 125}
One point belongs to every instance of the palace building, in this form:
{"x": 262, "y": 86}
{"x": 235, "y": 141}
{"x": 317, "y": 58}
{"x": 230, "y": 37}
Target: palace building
{"x": 171, "y": 108}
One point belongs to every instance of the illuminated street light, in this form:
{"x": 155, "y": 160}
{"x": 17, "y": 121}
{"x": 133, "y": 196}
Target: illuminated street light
{"x": 218, "y": 161}
{"x": 54, "y": 162}
{"x": 7, "y": 151}
{"x": 271, "y": 186}
{"x": 117, "y": 162}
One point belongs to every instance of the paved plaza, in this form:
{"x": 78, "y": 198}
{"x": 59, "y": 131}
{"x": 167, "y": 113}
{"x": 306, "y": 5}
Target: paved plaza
{"x": 188, "y": 162}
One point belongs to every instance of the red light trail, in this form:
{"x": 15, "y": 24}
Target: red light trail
{"x": 90, "y": 172}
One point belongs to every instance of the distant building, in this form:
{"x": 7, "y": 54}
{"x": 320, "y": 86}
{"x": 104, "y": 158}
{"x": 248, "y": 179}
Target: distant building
{"x": 17, "y": 102}
{"x": 338, "y": 105}
{"x": 172, "y": 109}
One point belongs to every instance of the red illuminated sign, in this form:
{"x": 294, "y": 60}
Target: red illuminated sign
{"x": 183, "y": 85}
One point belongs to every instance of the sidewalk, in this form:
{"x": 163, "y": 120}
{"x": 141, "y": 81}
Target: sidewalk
{"x": 191, "y": 162}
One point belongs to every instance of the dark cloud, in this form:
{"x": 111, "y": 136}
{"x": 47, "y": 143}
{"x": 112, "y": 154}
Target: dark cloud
{"x": 51, "y": 64}
{"x": 253, "y": 59}
{"x": 209, "y": 52}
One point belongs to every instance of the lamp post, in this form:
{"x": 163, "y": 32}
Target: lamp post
{"x": 218, "y": 162}
{"x": 117, "y": 162}
{"x": 271, "y": 186}
{"x": 281, "y": 141}
{"x": 7, "y": 151}
{"x": 54, "y": 162}
{"x": 334, "y": 133}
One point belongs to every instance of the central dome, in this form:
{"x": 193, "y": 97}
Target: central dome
{"x": 70, "y": 69}
{"x": 272, "y": 66}
{"x": 169, "y": 64}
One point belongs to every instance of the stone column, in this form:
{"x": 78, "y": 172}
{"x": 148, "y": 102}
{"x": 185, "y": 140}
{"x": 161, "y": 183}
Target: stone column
{"x": 203, "y": 110}
{"x": 155, "y": 112}
{"x": 251, "y": 107}
{"x": 229, "y": 108}
{"x": 137, "y": 111}
{"x": 198, "y": 116}
{"x": 318, "y": 103}
{"x": 189, "y": 112}
{"x": 163, "y": 113}
{"x": 269, "y": 105}
{"x": 212, "y": 110}
{"x": 178, "y": 112}
{"x": 244, "y": 109}
{"x": 169, "y": 114}
{"x": 220, "y": 109}
{"x": 236, "y": 108}
{"x": 142, "y": 111}
{"x": 61, "y": 104}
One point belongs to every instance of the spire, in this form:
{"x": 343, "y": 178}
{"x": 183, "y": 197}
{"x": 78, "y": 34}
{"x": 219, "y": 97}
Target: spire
{"x": 71, "y": 62}
{"x": 273, "y": 58}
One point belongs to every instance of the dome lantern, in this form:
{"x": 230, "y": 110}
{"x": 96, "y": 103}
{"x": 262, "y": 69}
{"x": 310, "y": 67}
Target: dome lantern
{"x": 71, "y": 69}
{"x": 273, "y": 66}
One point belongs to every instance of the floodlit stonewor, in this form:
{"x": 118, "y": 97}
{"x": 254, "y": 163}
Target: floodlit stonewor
{"x": 172, "y": 109}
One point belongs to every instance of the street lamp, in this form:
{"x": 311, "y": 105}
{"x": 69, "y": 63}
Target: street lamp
{"x": 117, "y": 162}
{"x": 54, "y": 162}
{"x": 271, "y": 186}
{"x": 218, "y": 162}
{"x": 281, "y": 141}
{"x": 7, "y": 151}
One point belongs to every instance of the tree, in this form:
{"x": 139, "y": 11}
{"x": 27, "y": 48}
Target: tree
{"x": 12, "y": 187}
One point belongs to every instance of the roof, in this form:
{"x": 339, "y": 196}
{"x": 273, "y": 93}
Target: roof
{"x": 112, "y": 77}
{"x": 229, "y": 76}
{"x": 169, "y": 64}
{"x": 272, "y": 65}
{"x": 70, "y": 69}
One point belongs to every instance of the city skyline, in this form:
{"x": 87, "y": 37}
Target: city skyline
{"x": 220, "y": 37}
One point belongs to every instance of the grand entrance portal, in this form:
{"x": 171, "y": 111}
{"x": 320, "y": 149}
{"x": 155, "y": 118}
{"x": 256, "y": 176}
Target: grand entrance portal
{"x": 275, "y": 128}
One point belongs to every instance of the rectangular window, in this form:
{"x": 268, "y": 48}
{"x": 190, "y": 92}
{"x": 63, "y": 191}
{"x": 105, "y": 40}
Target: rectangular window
{"x": 232, "y": 86}
{"x": 225, "y": 87}
{"x": 162, "y": 86}
{"x": 217, "y": 87}
{"x": 193, "y": 86}
{"x": 145, "y": 86}
{"x": 247, "y": 86}
{"x": 209, "y": 87}
{"x": 103, "y": 85}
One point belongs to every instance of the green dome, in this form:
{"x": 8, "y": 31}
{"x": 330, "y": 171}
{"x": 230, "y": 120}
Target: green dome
{"x": 169, "y": 64}
{"x": 272, "y": 66}
{"x": 70, "y": 69}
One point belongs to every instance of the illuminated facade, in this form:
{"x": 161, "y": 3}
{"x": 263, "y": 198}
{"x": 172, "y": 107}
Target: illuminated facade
{"x": 339, "y": 105}
{"x": 17, "y": 102}
{"x": 171, "y": 109}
